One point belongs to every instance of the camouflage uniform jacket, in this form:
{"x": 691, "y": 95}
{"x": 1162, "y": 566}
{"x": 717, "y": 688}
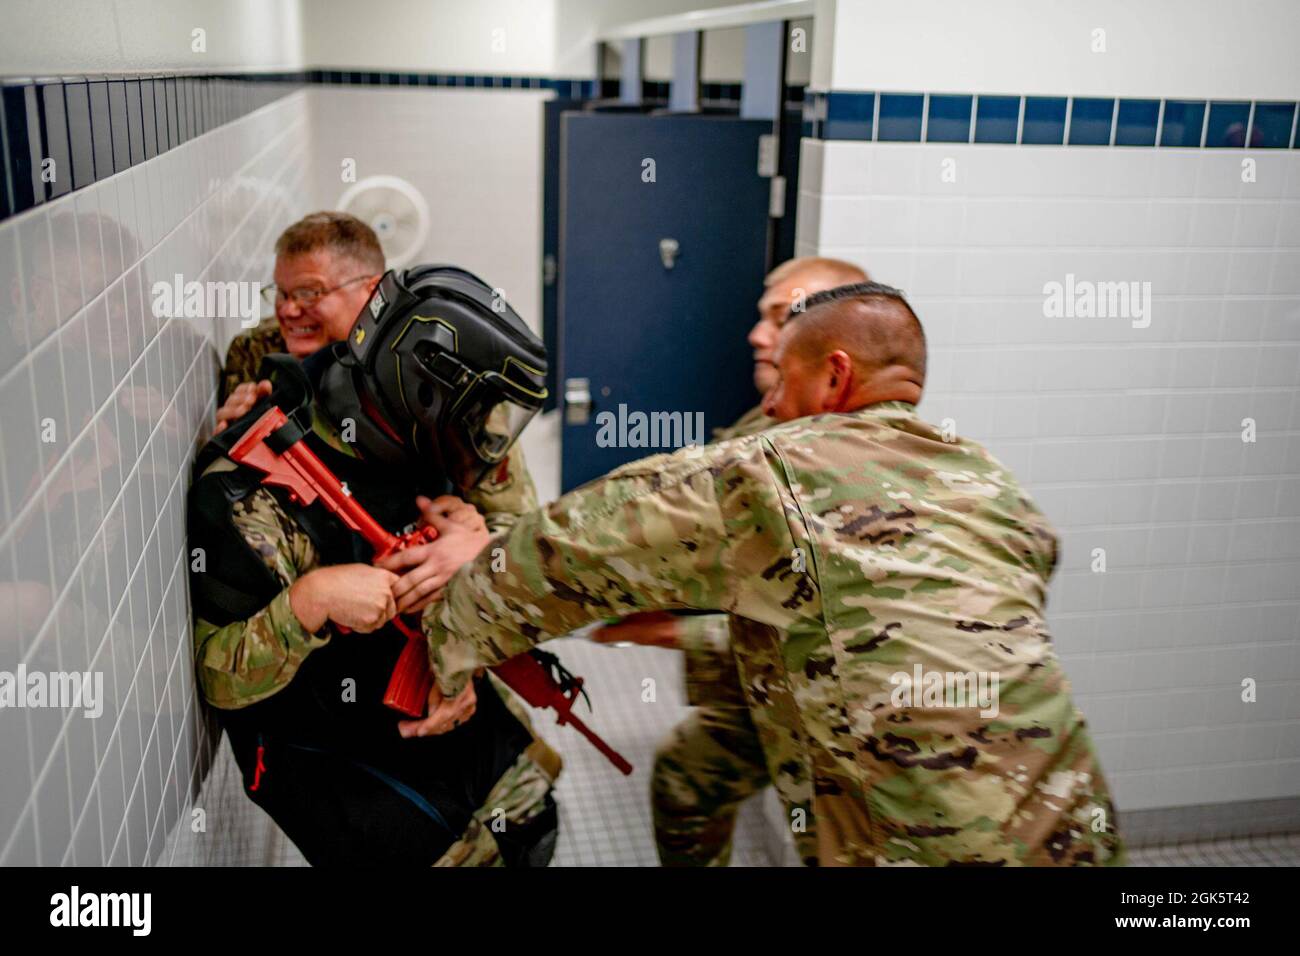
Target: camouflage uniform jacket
{"x": 750, "y": 423}
{"x": 858, "y": 549}
{"x": 247, "y": 349}
{"x": 247, "y": 661}
{"x": 706, "y": 638}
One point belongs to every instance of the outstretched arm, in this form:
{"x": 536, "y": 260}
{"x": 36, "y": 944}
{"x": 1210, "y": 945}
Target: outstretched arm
{"x": 664, "y": 532}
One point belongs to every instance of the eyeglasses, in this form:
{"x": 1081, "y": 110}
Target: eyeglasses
{"x": 305, "y": 297}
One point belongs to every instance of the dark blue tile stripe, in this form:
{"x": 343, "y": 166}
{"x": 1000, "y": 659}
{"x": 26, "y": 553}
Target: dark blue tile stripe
{"x": 1137, "y": 123}
{"x": 997, "y": 119}
{"x": 900, "y": 117}
{"x": 93, "y": 127}
{"x": 572, "y": 88}
{"x": 849, "y": 117}
{"x": 949, "y": 119}
{"x": 1091, "y": 121}
{"x": 57, "y": 178}
{"x": 1051, "y": 120}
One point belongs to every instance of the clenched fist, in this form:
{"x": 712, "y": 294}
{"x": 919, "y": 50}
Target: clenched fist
{"x": 356, "y": 596}
{"x": 462, "y": 534}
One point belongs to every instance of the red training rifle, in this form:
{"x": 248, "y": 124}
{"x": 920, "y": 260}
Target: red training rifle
{"x": 299, "y": 470}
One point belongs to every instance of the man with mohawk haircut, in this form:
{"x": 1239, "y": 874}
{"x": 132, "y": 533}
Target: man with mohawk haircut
{"x": 875, "y": 573}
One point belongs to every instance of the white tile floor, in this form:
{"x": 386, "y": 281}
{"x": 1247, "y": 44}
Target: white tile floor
{"x": 604, "y": 816}
{"x": 1275, "y": 850}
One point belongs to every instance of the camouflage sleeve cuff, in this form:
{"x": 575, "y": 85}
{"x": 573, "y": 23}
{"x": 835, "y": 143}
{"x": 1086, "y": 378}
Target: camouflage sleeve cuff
{"x": 285, "y": 623}
{"x": 451, "y": 661}
{"x": 703, "y": 632}
{"x": 247, "y": 661}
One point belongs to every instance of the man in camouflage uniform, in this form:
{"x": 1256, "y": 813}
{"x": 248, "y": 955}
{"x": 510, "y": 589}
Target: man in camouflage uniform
{"x": 326, "y": 266}
{"x": 713, "y": 760}
{"x": 862, "y": 557}
{"x": 247, "y": 662}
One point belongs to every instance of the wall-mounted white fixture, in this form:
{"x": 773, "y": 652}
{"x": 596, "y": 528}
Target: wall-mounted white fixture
{"x": 397, "y": 212}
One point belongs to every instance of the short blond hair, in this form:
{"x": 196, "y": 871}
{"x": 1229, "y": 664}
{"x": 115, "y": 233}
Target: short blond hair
{"x": 833, "y": 271}
{"x": 336, "y": 232}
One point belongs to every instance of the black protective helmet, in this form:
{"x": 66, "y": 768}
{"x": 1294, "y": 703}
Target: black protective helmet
{"x": 438, "y": 372}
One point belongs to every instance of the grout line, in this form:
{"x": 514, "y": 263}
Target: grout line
{"x": 153, "y": 447}
{"x": 144, "y": 351}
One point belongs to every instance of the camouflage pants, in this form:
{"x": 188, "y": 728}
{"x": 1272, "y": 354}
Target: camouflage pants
{"x": 518, "y": 798}
{"x": 707, "y": 767}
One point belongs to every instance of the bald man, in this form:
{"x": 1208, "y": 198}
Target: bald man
{"x": 785, "y": 293}
{"x": 712, "y": 761}
{"x": 887, "y": 588}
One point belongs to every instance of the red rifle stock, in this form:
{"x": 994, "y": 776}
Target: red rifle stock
{"x": 308, "y": 479}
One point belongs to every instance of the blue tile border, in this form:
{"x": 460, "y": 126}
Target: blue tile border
{"x": 850, "y": 117}
{"x": 1272, "y": 125}
{"x": 1091, "y": 121}
{"x": 95, "y": 126}
{"x": 1050, "y": 120}
{"x": 1045, "y": 118}
{"x": 949, "y": 119}
{"x": 997, "y": 119}
{"x": 901, "y": 117}
{"x": 1137, "y": 123}
{"x": 1227, "y": 125}
{"x": 569, "y": 87}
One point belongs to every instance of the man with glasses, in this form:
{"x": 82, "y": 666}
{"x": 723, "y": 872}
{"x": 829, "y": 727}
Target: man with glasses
{"x": 326, "y": 266}
{"x": 292, "y": 643}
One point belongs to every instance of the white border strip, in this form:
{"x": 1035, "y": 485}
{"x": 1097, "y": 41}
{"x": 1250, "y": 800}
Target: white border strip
{"x": 739, "y": 15}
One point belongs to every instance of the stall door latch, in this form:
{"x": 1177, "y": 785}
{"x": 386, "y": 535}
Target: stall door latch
{"x": 668, "y": 249}
{"x": 577, "y": 401}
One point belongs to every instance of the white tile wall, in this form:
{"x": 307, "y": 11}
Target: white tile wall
{"x": 92, "y": 569}
{"x": 475, "y": 156}
{"x": 1129, "y": 438}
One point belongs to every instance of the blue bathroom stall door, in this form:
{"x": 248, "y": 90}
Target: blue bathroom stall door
{"x": 662, "y": 252}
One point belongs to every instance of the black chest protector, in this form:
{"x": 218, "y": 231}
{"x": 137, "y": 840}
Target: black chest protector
{"x": 334, "y": 703}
